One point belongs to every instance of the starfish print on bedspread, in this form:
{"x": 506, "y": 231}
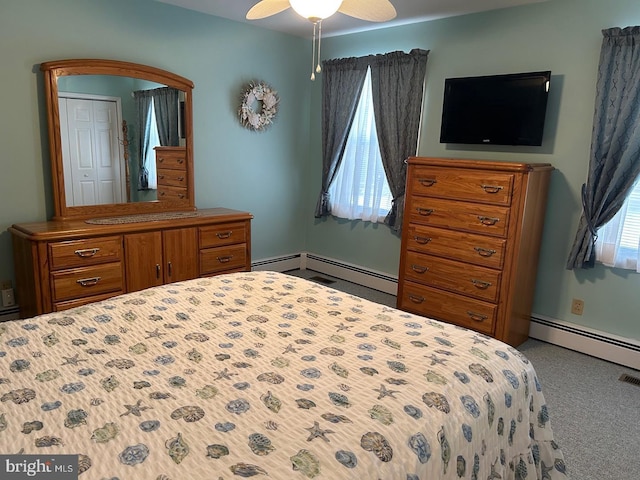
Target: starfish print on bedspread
{"x": 317, "y": 432}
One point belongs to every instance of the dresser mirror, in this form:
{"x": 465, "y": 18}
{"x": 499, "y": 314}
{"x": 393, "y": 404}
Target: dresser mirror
{"x": 102, "y": 117}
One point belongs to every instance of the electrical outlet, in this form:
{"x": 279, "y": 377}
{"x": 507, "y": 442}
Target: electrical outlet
{"x": 577, "y": 306}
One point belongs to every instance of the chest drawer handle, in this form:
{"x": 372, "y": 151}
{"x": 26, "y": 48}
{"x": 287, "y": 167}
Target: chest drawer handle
{"x": 87, "y": 252}
{"x": 425, "y": 212}
{"x": 491, "y": 188}
{"x": 88, "y": 282}
{"x": 488, "y": 221}
{"x": 480, "y": 284}
{"x": 476, "y": 317}
{"x": 427, "y": 182}
{"x": 181, "y": 179}
{"x": 421, "y": 240}
{"x": 416, "y": 298}
{"x": 226, "y": 259}
{"x": 484, "y": 252}
{"x": 223, "y": 235}
{"x": 419, "y": 268}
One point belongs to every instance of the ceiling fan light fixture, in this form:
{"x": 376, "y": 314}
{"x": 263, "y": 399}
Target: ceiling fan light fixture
{"x": 315, "y": 10}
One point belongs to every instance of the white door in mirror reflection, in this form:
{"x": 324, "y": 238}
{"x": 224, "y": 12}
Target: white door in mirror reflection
{"x": 94, "y": 172}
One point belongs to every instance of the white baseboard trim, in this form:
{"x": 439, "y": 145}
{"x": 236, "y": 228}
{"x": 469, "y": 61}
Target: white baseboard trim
{"x": 620, "y": 350}
{"x": 603, "y": 345}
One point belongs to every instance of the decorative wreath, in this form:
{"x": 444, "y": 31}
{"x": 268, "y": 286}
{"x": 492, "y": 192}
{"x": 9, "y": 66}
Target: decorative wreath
{"x": 259, "y": 106}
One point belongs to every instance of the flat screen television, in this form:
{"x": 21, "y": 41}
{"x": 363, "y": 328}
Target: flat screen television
{"x": 496, "y": 109}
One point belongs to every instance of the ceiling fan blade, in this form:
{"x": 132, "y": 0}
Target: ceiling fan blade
{"x": 369, "y": 10}
{"x": 266, "y": 8}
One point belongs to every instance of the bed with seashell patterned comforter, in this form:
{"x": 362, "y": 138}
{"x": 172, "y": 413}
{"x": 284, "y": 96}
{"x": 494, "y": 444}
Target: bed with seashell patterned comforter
{"x": 266, "y": 375}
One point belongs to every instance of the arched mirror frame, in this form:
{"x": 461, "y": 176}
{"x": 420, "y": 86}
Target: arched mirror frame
{"x": 56, "y": 69}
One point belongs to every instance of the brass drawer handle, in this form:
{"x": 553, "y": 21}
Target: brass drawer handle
{"x": 181, "y": 196}
{"x": 180, "y": 161}
{"x": 481, "y": 284}
{"x": 88, "y": 282}
{"x": 162, "y": 194}
{"x": 224, "y": 235}
{"x": 425, "y": 212}
{"x": 491, "y": 188}
{"x": 488, "y": 221}
{"x": 427, "y": 182}
{"x": 476, "y": 317}
{"x": 421, "y": 240}
{"x": 484, "y": 252}
{"x": 87, "y": 252}
{"x": 181, "y": 179}
{"x": 161, "y": 159}
{"x": 226, "y": 259}
{"x": 419, "y": 268}
{"x": 416, "y": 298}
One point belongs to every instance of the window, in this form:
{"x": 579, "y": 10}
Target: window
{"x": 618, "y": 241}
{"x": 360, "y": 189}
{"x": 149, "y": 152}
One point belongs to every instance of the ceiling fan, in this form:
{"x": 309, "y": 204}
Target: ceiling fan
{"x": 317, "y": 10}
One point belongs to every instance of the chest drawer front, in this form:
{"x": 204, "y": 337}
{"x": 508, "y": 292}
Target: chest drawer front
{"x": 213, "y": 260}
{"x": 469, "y": 217}
{"x": 176, "y": 178}
{"x": 223, "y": 234}
{"x": 172, "y": 160}
{"x": 463, "y": 184}
{"x": 466, "y": 312}
{"x": 174, "y": 194}
{"x": 77, "y": 253}
{"x": 471, "y": 280}
{"x": 86, "y": 281}
{"x": 466, "y": 247}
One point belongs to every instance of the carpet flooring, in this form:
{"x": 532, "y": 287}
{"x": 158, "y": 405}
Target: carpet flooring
{"x": 595, "y": 416}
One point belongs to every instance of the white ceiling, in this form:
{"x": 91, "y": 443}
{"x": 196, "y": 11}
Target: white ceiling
{"x": 409, "y": 11}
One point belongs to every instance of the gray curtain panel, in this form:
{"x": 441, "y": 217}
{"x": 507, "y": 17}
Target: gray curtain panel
{"x": 397, "y": 83}
{"x": 143, "y": 102}
{"x": 615, "y": 145}
{"x": 165, "y": 101}
{"x": 342, "y": 82}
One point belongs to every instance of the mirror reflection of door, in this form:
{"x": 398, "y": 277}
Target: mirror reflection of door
{"x": 93, "y": 155}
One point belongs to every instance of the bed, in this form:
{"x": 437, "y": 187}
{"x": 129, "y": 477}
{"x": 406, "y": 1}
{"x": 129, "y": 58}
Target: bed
{"x": 263, "y": 374}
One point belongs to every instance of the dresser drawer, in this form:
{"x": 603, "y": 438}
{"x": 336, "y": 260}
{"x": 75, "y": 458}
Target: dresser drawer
{"x": 223, "y": 234}
{"x": 463, "y": 184}
{"x": 175, "y": 194}
{"x": 465, "y": 216}
{"x": 176, "y": 178}
{"x": 87, "y": 281}
{"x": 471, "y": 280}
{"x": 171, "y": 158}
{"x": 213, "y": 260}
{"x": 467, "y": 247}
{"x": 449, "y": 307}
{"x": 77, "y": 253}
{"x": 78, "y": 302}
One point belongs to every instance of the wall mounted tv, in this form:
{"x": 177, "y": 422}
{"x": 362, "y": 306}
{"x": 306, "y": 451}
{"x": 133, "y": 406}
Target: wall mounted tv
{"x": 495, "y": 110}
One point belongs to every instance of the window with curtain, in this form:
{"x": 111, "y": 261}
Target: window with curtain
{"x": 618, "y": 242}
{"x": 360, "y": 190}
{"x": 149, "y": 152}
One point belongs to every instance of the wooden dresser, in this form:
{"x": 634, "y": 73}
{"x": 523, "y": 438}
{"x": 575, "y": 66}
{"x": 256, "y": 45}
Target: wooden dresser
{"x": 470, "y": 243}
{"x": 64, "y": 264}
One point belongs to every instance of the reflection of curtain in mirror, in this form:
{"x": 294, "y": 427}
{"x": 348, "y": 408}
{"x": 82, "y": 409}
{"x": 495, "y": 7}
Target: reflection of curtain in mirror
{"x": 161, "y": 104}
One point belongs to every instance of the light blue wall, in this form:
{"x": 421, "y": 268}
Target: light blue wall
{"x": 563, "y": 36}
{"x": 234, "y": 167}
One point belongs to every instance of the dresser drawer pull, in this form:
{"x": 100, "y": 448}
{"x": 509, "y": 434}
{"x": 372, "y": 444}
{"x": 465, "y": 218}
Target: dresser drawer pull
{"x": 181, "y": 179}
{"x": 427, "y": 182}
{"x": 491, "y": 188}
{"x": 416, "y": 298}
{"x": 480, "y": 284}
{"x": 421, "y": 240}
{"x": 88, "y": 282}
{"x": 181, "y": 196}
{"x": 419, "y": 268}
{"x": 223, "y": 235}
{"x": 484, "y": 252}
{"x": 87, "y": 252}
{"x": 489, "y": 221}
{"x": 476, "y": 317}
{"x": 226, "y": 259}
{"x": 425, "y": 212}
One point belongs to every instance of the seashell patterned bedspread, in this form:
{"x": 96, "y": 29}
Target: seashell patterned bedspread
{"x": 266, "y": 375}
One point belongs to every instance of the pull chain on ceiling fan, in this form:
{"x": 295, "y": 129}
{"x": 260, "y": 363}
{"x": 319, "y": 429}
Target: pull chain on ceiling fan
{"x": 317, "y": 10}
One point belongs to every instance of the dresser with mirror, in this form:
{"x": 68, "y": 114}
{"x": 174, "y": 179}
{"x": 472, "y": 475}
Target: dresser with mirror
{"x": 123, "y": 191}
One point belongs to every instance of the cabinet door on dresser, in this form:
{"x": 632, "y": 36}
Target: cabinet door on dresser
{"x": 158, "y": 257}
{"x": 470, "y": 243}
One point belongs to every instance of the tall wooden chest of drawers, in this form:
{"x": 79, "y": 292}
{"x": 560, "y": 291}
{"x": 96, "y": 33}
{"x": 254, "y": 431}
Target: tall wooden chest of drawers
{"x": 470, "y": 243}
